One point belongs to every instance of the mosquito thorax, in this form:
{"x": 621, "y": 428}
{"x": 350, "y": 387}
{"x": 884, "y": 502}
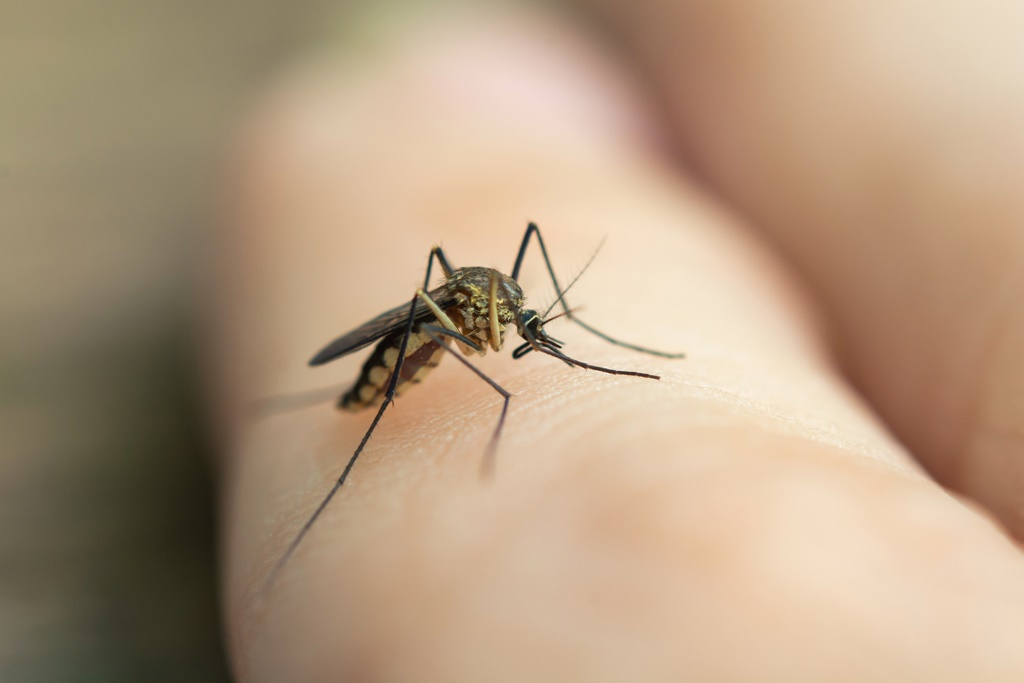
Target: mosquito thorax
{"x": 473, "y": 309}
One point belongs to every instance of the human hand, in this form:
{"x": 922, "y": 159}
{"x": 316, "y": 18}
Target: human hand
{"x": 748, "y": 517}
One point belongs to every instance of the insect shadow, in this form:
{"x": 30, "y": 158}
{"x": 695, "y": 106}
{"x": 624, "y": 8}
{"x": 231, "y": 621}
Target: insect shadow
{"x": 472, "y": 310}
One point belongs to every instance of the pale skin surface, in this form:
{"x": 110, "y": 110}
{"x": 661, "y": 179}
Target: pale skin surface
{"x": 749, "y": 517}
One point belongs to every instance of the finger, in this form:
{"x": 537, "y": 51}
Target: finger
{"x": 633, "y": 529}
{"x": 880, "y": 145}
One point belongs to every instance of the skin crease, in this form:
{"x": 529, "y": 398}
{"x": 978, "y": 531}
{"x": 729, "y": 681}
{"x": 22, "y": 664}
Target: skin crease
{"x": 880, "y": 145}
{"x": 745, "y": 518}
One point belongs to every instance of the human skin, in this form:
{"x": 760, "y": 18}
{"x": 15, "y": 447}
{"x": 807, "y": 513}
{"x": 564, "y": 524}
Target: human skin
{"x": 880, "y": 146}
{"x": 748, "y": 517}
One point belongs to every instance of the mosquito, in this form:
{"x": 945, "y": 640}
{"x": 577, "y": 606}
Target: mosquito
{"x": 472, "y": 309}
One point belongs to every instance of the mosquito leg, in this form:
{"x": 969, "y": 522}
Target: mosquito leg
{"x": 492, "y": 311}
{"x": 446, "y": 267}
{"x": 531, "y": 230}
{"x": 389, "y": 396}
{"x": 443, "y": 318}
{"x": 435, "y": 332}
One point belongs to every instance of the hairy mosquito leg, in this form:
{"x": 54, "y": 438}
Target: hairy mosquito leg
{"x": 389, "y": 396}
{"x": 435, "y": 332}
{"x": 531, "y": 230}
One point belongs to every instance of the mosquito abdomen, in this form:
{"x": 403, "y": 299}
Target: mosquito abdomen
{"x": 422, "y": 354}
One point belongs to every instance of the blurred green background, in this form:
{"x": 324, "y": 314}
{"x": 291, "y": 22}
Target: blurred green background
{"x": 114, "y": 116}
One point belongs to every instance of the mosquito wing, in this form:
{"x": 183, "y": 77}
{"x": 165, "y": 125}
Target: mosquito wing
{"x": 382, "y": 325}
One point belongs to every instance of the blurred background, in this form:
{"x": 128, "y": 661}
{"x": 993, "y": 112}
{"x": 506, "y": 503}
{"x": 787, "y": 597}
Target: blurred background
{"x": 114, "y": 117}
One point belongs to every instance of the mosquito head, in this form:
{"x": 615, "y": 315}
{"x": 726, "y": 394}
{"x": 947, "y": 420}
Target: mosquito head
{"x": 530, "y": 325}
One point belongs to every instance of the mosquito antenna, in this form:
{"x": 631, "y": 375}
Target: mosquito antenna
{"x": 574, "y": 309}
{"x": 575, "y": 279}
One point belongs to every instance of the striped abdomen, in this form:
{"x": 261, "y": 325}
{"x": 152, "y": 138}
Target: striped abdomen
{"x": 422, "y": 354}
